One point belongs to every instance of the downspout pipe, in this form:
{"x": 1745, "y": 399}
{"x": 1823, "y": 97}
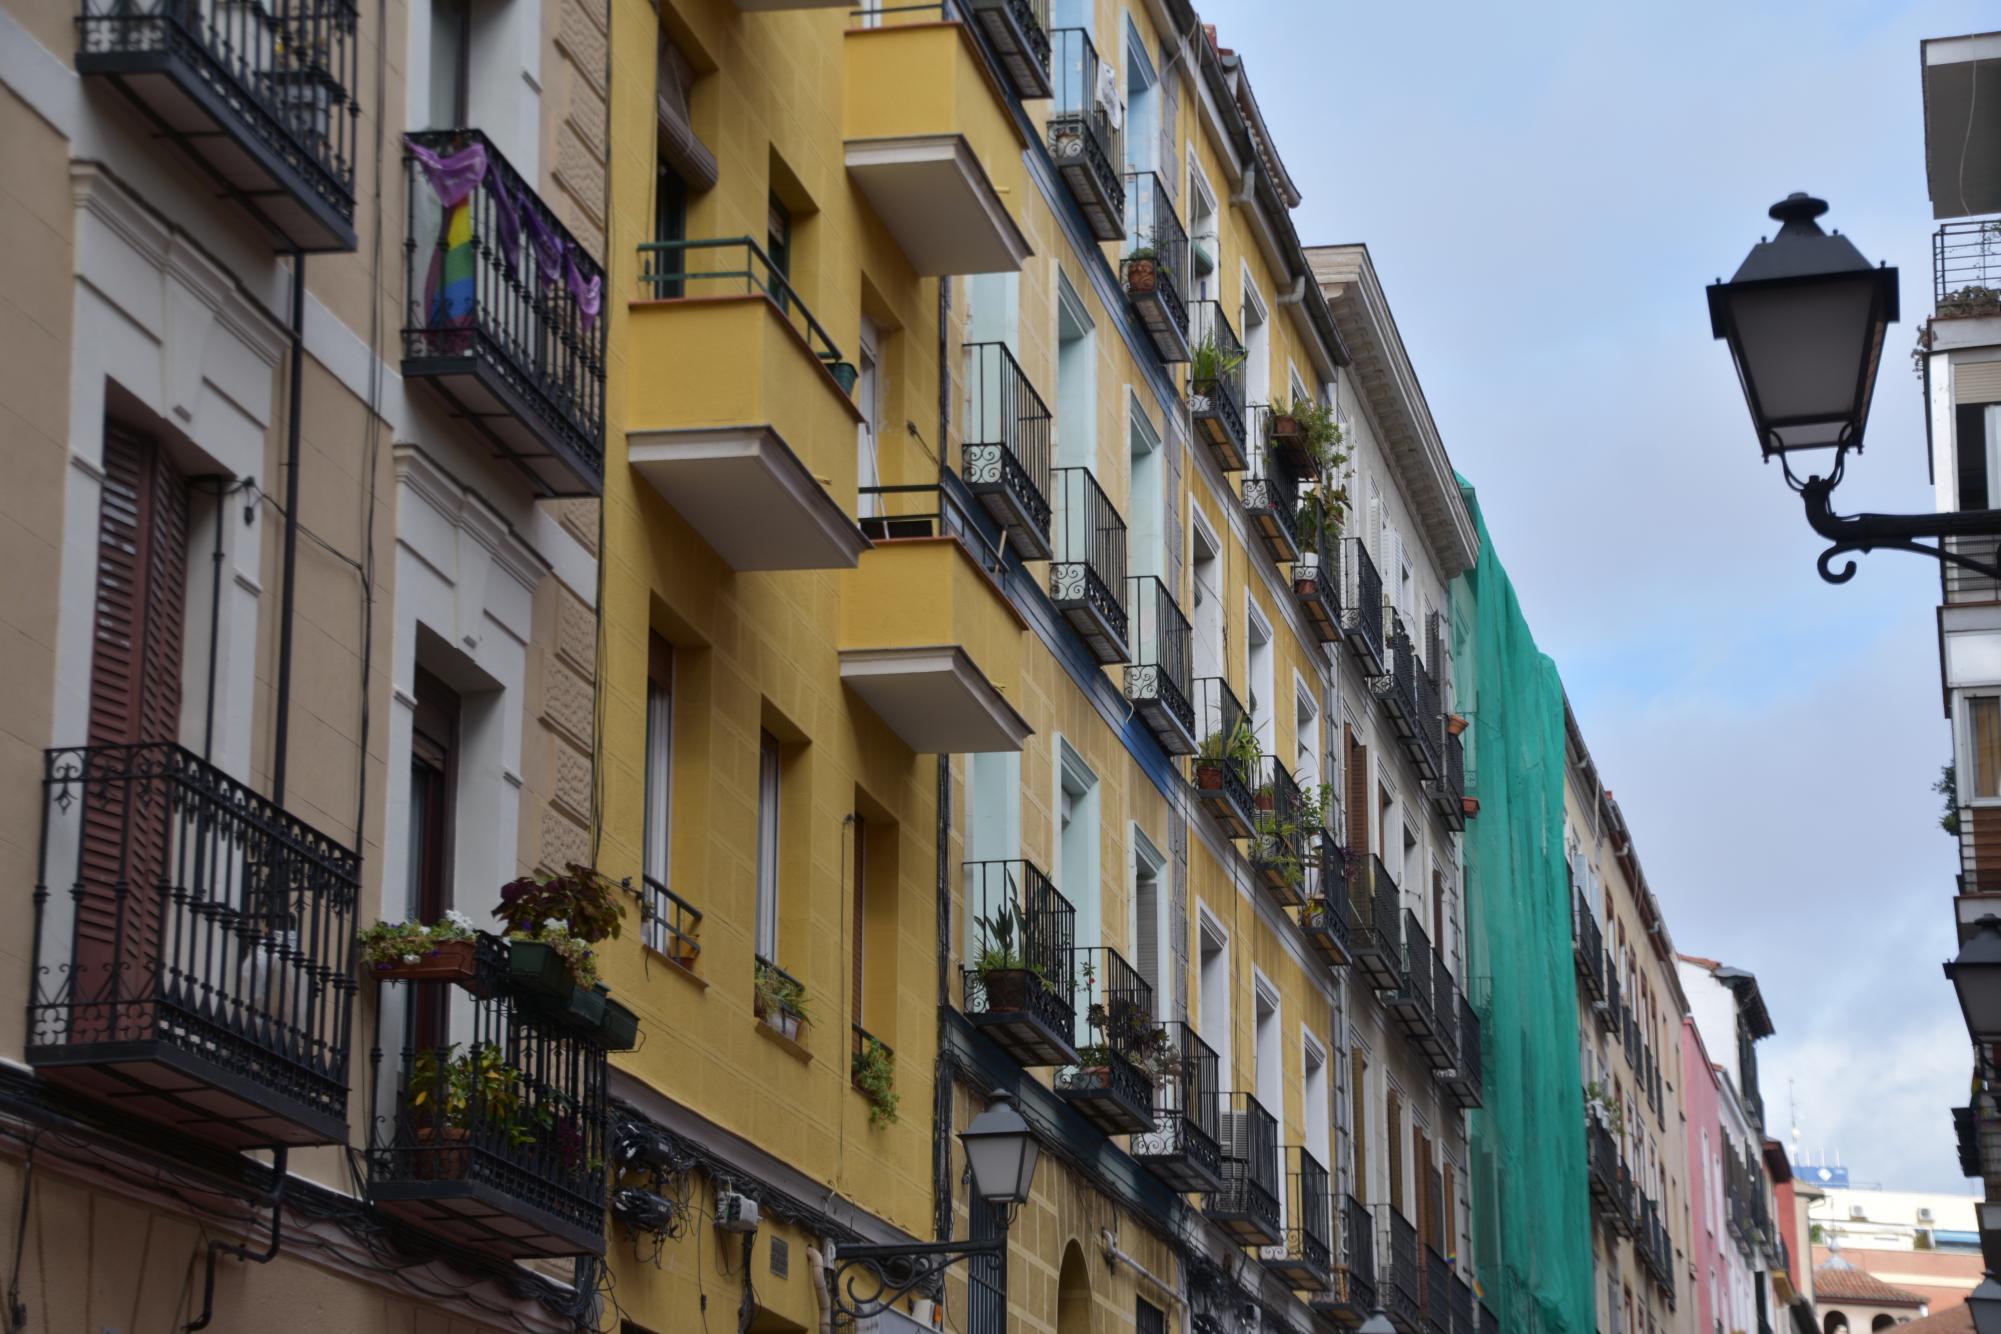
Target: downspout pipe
{"x": 281, "y": 731}
{"x": 1296, "y": 294}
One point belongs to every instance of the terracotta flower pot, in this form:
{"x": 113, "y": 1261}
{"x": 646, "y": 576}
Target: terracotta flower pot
{"x": 1454, "y": 724}
{"x": 440, "y": 1164}
{"x": 1007, "y": 990}
{"x": 1209, "y": 775}
{"x": 1141, "y": 275}
{"x": 452, "y": 961}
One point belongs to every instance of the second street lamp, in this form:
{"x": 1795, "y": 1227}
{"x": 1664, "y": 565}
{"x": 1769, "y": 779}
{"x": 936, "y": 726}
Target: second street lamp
{"x": 1805, "y": 317}
{"x": 1976, "y": 976}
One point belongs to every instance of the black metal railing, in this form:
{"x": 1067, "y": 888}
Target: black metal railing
{"x": 1601, "y": 1161}
{"x": 180, "y": 917}
{"x": 1966, "y": 268}
{"x": 1088, "y": 555}
{"x": 1224, "y": 772}
{"x": 1445, "y": 1012}
{"x": 1005, "y": 445}
{"x": 1316, "y": 574}
{"x": 1153, "y": 232}
{"x": 1452, "y": 792}
{"x": 1430, "y": 707}
{"x": 1183, "y": 1147}
{"x": 517, "y": 294}
{"x": 1489, "y": 1322}
{"x": 1271, "y": 497}
{"x": 1216, "y": 383}
{"x": 1589, "y": 942}
{"x": 1362, "y": 596}
{"x": 1399, "y": 1285}
{"x": 511, "y": 1102}
{"x": 1161, "y": 677}
{"x": 1403, "y": 673}
{"x": 1278, "y": 848}
{"x": 1018, "y": 30}
{"x": 1247, "y": 1201}
{"x": 1309, "y": 1221}
{"x": 1118, "y": 1043}
{"x": 284, "y": 70}
{"x": 1081, "y": 133}
{"x": 1611, "y": 989}
{"x": 733, "y": 265}
{"x": 1018, "y": 984}
{"x": 1415, "y": 992}
{"x": 773, "y": 993}
{"x": 1373, "y": 897}
{"x": 1462, "y": 1307}
{"x": 1357, "y": 1269}
{"x": 864, "y": 1048}
{"x": 1326, "y": 916}
{"x": 1468, "y": 1086}
{"x": 1437, "y": 1291}
{"x": 673, "y": 925}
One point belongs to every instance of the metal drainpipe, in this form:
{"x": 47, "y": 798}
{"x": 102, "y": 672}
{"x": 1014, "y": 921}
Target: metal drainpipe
{"x": 941, "y": 1103}
{"x": 281, "y": 733}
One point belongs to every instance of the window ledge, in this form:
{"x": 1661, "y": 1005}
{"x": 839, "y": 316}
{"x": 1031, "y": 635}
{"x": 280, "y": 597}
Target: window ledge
{"x": 678, "y": 967}
{"x": 791, "y": 1046}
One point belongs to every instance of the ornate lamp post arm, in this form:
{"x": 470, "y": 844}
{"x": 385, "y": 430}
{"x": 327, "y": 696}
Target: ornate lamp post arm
{"x": 1894, "y": 532}
{"x": 868, "y": 1278}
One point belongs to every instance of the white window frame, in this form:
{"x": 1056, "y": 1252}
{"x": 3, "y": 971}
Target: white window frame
{"x": 1964, "y": 759}
{"x": 769, "y": 795}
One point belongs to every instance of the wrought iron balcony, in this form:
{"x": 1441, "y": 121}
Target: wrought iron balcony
{"x": 1602, "y": 1165}
{"x": 1221, "y": 775}
{"x": 1280, "y": 839}
{"x": 1006, "y": 447}
{"x": 1118, "y": 1044}
{"x": 1587, "y": 947}
{"x": 1246, "y": 1205}
{"x": 1410, "y": 1001}
{"x": 1087, "y": 571}
{"x": 1362, "y": 598}
{"x": 1449, "y": 790}
{"x": 1399, "y": 690}
{"x": 1271, "y": 502}
{"x": 1489, "y": 1322}
{"x": 1612, "y": 1003}
{"x": 502, "y": 313}
{"x": 1156, "y": 258}
{"x": 1463, "y": 1319}
{"x": 1305, "y": 1258}
{"x": 1377, "y": 924}
{"x": 1399, "y": 1284}
{"x": 260, "y": 96}
{"x": 1352, "y": 1297}
{"x": 1463, "y": 1082}
{"x": 193, "y": 949}
{"x": 1019, "y": 988}
{"x": 1018, "y": 32}
{"x": 1966, "y": 269}
{"x": 1183, "y": 1147}
{"x": 1625, "y": 1212}
{"x": 495, "y": 1136}
{"x": 1326, "y": 915}
{"x": 1427, "y": 742}
{"x": 1160, "y": 680}
{"x": 1437, "y": 1316}
{"x": 1216, "y": 385}
{"x": 1442, "y": 1050}
{"x": 1316, "y": 574}
{"x": 1082, "y": 139}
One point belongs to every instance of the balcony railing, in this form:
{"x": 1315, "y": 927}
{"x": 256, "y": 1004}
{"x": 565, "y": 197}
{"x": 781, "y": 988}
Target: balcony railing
{"x": 1005, "y": 449}
{"x": 262, "y": 96}
{"x": 1082, "y": 139}
{"x": 1588, "y": 942}
{"x": 1316, "y": 575}
{"x": 1019, "y": 988}
{"x": 1437, "y": 1291}
{"x": 1463, "y": 1318}
{"x": 1156, "y": 258}
{"x": 1451, "y": 785}
{"x": 1463, "y": 1084}
{"x": 734, "y": 266}
{"x": 1183, "y": 1148}
{"x": 496, "y": 1137}
{"x": 1401, "y": 697}
{"x": 1327, "y": 917}
{"x": 1377, "y": 923}
{"x": 1216, "y": 385}
{"x": 1355, "y": 1269}
{"x": 1018, "y": 32}
{"x": 1602, "y": 1164}
{"x": 673, "y": 925}
{"x": 1399, "y": 1285}
{"x": 193, "y": 949}
{"x": 1246, "y": 1205}
{"x": 1362, "y": 597}
{"x": 1490, "y": 1323}
{"x": 503, "y": 311}
{"x": 1118, "y": 1044}
{"x": 1087, "y": 571}
{"x": 1305, "y": 1258}
{"x": 1411, "y": 999}
{"x": 1160, "y": 680}
{"x": 1281, "y": 839}
{"x": 1444, "y": 1052}
{"x": 1612, "y": 1004}
{"x": 1966, "y": 268}
{"x": 1221, "y": 777}
{"x": 1428, "y": 738}
{"x": 1271, "y": 501}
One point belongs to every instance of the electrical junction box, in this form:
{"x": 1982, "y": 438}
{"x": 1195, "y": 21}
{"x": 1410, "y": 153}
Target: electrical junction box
{"x": 736, "y": 1213}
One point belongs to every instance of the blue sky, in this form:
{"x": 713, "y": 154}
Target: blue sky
{"x": 1545, "y": 191}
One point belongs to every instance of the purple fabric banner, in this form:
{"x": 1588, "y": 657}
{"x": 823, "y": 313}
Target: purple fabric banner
{"x": 452, "y": 178}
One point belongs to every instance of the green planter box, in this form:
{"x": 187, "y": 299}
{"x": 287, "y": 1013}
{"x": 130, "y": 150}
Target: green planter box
{"x": 620, "y": 1029}
{"x": 536, "y": 969}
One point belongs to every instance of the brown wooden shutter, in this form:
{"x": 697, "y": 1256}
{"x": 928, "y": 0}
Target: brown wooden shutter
{"x": 135, "y": 696}
{"x": 1358, "y": 794}
{"x": 861, "y": 907}
{"x": 1450, "y": 1209}
{"x": 1359, "y": 1132}
{"x": 1393, "y": 1121}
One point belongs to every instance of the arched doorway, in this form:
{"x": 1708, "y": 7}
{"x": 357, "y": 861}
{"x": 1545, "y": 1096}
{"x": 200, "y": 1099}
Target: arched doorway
{"x": 1834, "y": 1322}
{"x": 1882, "y": 1322}
{"x": 1073, "y": 1293}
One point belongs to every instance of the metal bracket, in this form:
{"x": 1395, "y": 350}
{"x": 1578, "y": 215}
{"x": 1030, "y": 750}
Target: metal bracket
{"x": 869, "y": 1278}
{"x": 1893, "y": 532}
{"x": 276, "y": 1199}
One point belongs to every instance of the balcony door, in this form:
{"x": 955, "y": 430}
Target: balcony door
{"x": 868, "y": 398}
{"x": 434, "y": 748}
{"x": 135, "y": 696}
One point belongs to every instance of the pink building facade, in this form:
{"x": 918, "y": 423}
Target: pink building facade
{"x": 1722, "y": 1278}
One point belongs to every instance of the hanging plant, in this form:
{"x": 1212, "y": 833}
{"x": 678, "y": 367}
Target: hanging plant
{"x": 873, "y": 1071}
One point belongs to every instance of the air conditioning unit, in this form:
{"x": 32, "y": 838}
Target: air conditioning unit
{"x": 736, "y": 1213}
{"x": 1924, "y": 1215}
{"x": 1857, "y": 1212}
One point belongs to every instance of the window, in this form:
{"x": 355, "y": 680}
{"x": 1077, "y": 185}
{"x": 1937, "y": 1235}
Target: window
{"x": 1257, "y": 345}
{"x": 1077, "y": 843}
{"x": 1205, "y": 578}
{"x": 1148, "y": 1318}
{"x": 778, "y": 248}
{"x": 1214, "y": 978}
{"x": 1306, "y": 738}
{"x": 1203, "y": 246}
{"x": 1150, "y": 947}
{"x": 434, "y": 734}
{"x": 1983, "y": 747}
{"x": 1977, "y": 439}
{"x": 1261, "y": 704}
{"x": 670, "y": 224}
{"x": 664, "y": 925}
{"x": 767, "y": 847}
{"x": 1393, "y": 1124}
{"x": 451, "y": 63}
{"x": 1146, "y": 540}
{"x": 860, "y": 873}
{"x": 1316, "y": 1113}
{"x": 1142, "y": 105}
{"x": 1076, "y": 382}
{"x": 1358, "y": 1084}
{"x": 868, "y": 401}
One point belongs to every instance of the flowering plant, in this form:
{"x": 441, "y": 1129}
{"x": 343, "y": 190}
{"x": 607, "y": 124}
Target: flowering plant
{"x": 575, "y": 951}
{"x": 386, "y": 944}
{"x": 581, "y": 900}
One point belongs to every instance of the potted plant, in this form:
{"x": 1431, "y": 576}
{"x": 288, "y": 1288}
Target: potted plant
{"x": 1237, "y": 747}
{"x": 450, "y": 1098}
{"x": 552, "y": 962}
{"x": 552, "y": 922}
{"x": 780, "y": 1002}
{"x": 873, "y": 1070}
{"x": 1093, "y": 1068}
{"x": 1003, "y": 967}
{"x": 1454, "y": 724}
{"x": 1303, "y": 433}
{"x": 1142, "y": 265}
{"x": 1208, "y": 364}
{"x": 442, "y": 951}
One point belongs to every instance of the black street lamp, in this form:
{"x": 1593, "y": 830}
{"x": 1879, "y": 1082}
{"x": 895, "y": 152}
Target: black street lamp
{"x": 1001, "y": 1153}
{"x": 1985, "y": 1304}
{"x": 1805, "y": 317}
{"x": 1976, "y": 976}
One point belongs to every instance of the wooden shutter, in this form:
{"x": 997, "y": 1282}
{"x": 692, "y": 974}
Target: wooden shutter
{"x": 861, "y": 907}
{"x": 135, "y": 696}
{"x": 1170, "y": 108}
{"x": 1393, "y": 1122}
{"x": 1358, "y": 1098}
{"x": 1358, "y": 794}
{"x": 1146, "y": 947}
{"x": 1450, "y": 1208}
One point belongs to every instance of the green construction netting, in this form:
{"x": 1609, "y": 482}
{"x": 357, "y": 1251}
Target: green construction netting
{"x": 1532, "y": 1222}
